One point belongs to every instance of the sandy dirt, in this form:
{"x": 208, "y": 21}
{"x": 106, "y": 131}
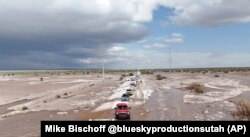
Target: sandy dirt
{"x": 26, "y": 100}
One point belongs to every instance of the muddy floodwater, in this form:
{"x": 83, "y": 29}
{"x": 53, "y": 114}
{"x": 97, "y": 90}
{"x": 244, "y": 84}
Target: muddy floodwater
{"x": 27, "y": 99}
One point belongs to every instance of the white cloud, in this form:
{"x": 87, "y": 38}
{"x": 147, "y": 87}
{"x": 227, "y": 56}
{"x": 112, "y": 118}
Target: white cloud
{"x": 209, "y": 12}
{"x": 155, "y": 46}
{"x": 193, "y": 12}
{"x": 142, "y": 41}
{"x": 176, "y": 38}
{"x": 90, "y": 61}
{"x": 163, "y": 41}
{"x": 118, "y": 51}
{"x": 86, "y": 61}
{"x": 177, "y": 35}
{"x": 144, "y": 10}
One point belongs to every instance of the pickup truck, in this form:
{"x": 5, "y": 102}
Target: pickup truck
{"x": 122, "y": 111}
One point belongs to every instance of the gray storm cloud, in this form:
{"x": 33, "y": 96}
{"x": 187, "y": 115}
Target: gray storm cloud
{"x": 64, "y": 29}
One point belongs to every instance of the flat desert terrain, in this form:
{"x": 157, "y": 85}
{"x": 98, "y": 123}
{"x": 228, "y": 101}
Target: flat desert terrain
{"x": 28, "y": 98}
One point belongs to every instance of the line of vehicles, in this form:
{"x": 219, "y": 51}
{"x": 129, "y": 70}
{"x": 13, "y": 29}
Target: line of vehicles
{"x": 122, "y": 109}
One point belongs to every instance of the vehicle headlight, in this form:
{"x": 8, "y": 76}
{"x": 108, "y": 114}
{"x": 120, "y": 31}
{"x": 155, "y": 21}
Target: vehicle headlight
{"x": 128, "y": 113}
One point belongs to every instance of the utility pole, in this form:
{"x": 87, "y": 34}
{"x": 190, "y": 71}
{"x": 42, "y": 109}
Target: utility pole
{"x": 103, "y": 71}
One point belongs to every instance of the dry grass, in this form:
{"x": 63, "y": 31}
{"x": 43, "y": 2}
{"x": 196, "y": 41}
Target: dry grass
{"x": 147, "y": 72}
{"x": 25, "y": 108}
{"x": 58, "y": 96}
{"x": 131, "y": 74}
{"x": 226, "y": 71}
{"x": 242, "y": 110}
{"x": 121, "y": 78}
{"x": 195, "y": 87}
{"x": 160, "y": 77}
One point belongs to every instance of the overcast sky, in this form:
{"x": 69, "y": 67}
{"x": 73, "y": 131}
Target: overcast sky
{"x": 80, "y": 34}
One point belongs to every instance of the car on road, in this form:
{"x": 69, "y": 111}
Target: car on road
{"x": 129, "y": 92}
{"x": 125, "y": 97}
{"x": 122, "y": 111}
{"x": 133, "y": 83}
